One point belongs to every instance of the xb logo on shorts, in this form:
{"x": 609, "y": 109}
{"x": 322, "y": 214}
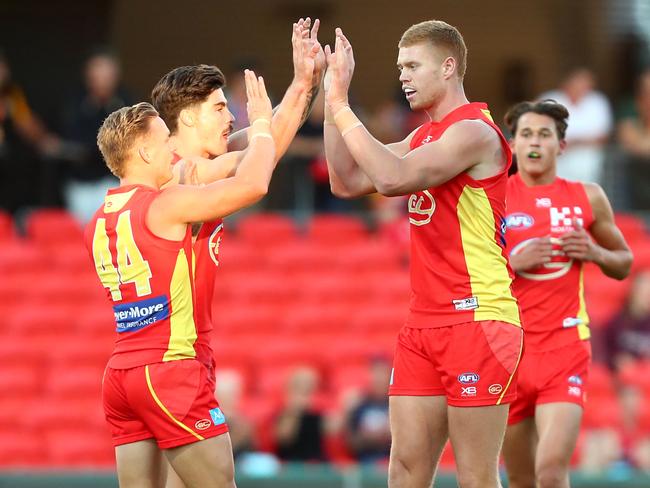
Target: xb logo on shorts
{"x": 468, "y": 378}
{"x": 421, "y": 207}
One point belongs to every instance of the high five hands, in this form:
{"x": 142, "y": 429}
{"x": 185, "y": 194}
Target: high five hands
{"x": 340, "y": 68}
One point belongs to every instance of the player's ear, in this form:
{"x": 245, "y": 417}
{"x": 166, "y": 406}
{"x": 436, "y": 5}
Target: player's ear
{"x": 187, "y": 117}
{"x": 144, "y": 154}
{"x": 448, "y": 67}
{"x": 562, "y": 145}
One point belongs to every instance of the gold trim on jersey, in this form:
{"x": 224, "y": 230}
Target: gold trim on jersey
{"x": 116, "y": 201}
{"x": 486, "y": 265}
{"x": 182, "y": 333}
{"x": 583, "y": 327}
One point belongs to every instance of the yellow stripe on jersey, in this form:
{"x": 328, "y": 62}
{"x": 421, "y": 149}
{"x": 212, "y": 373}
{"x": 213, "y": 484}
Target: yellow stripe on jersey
{"x": 164, "y": 409}
{"x": 487, "y": 114}
{"x": 182, "y": 327}
{"x": 485, "y": 262}
{"x": 583, "y": 327}
{"x": 115, "y": 202}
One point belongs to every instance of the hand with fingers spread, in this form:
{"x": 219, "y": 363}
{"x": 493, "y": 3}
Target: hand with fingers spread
{"x": 305, "y": 50}
{"x": 536, "y": 253}
{"x": 577, "y": 243}
{"x": 258, "y": 104}
{"x": 340, "y": 68}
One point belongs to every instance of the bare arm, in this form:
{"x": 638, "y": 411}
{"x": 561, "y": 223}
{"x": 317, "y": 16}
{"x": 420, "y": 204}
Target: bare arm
{"x": 178, "y": 205}
{"x": 296, "y": 104}
{"x": 609, "y": 251}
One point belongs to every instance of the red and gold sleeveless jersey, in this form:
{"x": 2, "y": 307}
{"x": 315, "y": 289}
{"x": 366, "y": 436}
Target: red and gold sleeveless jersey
{"x": 551, "y": 296}
{"x": 149, "y": 280}
{"x": 459, "y": 269}
{"x": 206, "y": 252}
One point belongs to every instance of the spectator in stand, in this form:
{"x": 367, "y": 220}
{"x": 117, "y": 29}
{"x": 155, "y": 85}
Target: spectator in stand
{"x": 368, "y": 428}
{"x": 23, "y": 138}
{"x": 626, "y": 337}
{"x": 590, "y": 124}
{"x": 634, "y": 138}
{"x": 300, "y": 426}
{"x": 88, "y": 179}
{"x": 229, "y": 390}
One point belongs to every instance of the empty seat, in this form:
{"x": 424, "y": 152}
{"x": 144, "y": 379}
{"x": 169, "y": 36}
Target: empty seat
{"x": 52, "y": 226}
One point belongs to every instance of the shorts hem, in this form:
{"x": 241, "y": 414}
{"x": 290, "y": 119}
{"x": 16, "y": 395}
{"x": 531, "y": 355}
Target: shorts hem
{"x": 416, "y": 392}
{"x": 131, "y": 438}
{"x": 487, "y": 402}
{"x": 190, "y": 439}
{"x": 577, "y": 401}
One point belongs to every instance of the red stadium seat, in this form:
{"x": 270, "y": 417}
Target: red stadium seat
{"x": 637, "y": 374}
{"x": 80, "y": 446}
{"x": 336, "y": 229}
{"x": 22, "y": 257}
{"x": 267, "y": 229}
{"x": 7, "y": 228}
{"x": 75, "y": 382}
{"x": 632, "y": 227}
{"x": 52, "y": 227}
{"x": 19, "y": 450}
{"x": 20, "y": 380}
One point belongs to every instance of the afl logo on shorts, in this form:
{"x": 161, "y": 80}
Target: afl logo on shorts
{"x": 421, "y": 207}
{"x": 468, "y": 378}
{"x": 202, "y": 424}
{"x": 213, "y": 244}
{"x": 559, "y": 266}
{"x": 519, "y": 221}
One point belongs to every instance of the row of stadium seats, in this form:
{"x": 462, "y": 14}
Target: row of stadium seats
{"x": 331, "y": 296}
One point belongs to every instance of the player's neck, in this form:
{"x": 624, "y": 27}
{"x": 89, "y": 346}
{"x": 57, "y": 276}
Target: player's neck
{"x": 188, "y": 147}
{"x": 452, "y": 99}
{"x": 537, "y": 180}
{"x": 138, "y": 176}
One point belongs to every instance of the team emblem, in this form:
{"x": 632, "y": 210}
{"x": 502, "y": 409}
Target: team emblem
{"x": 213, "y": 244}
{"x": 421, "y": 208}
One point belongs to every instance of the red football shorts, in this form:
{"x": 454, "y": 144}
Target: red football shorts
{"x": 172, "y": 402}
{"x": 553, "y": 376}
{"x": 473, "y": 364}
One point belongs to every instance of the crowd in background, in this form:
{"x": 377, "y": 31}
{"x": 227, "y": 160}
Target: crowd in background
{"x": 608, "y": 143}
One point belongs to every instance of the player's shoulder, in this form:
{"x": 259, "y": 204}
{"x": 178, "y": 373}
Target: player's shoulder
{"x": 594, "y": 192}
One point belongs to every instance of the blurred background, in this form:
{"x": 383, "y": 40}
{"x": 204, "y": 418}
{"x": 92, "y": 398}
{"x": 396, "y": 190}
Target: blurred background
{"x": 312, "y": 290}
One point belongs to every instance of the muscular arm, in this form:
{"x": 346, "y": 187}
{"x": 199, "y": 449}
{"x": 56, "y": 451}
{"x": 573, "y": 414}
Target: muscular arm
{"x": 609, "y": 251}
{"x": 347, "y": 179}
{"x": 463, "y": 146}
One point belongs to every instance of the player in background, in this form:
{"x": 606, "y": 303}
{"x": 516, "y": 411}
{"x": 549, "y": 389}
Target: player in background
{"x": 191, "y": 101}
{"x": 554, "y": 226}
{"x": 457, "y": 355}
{"x": 157, "y": 397}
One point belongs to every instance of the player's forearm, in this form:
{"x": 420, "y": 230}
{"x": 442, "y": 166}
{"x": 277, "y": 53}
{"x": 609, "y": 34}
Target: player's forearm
{"x": 615, "y": 264}
{"x": 257, "y": 165}
{"x": 376, "y": 160}
{"x": 289, "y": 116}
{"x": 347, "y": 180}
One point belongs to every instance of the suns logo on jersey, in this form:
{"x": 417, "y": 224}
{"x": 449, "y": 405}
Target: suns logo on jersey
{"x": 559, "y": 266}
{"x": 421, "y": 208}
{"x": 213, "y": 244}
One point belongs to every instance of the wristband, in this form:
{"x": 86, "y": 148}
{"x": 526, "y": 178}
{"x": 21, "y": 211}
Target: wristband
{"x": 352, "y": 127}
{"x": 262, "y": 134}
{"x": 266, "y": 121}
{"x": 346, "y": 120}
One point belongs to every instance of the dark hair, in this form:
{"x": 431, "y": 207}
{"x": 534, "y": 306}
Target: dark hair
{"x": 553, "y": 109}
{"x": 184, "y": 87}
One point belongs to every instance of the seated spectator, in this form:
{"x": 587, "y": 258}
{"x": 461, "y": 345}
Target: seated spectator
{"x": 626, "y": 337}
{"x": 590, "y": 125}
{"x": 299, "y": 426}
{"x": 23, "y": 139}
{"x": 88, "y": 178}
{"x": 368, "y": 428}
{"x": 634, "y": 139}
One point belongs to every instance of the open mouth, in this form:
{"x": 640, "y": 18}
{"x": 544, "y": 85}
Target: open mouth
{"x": 534, "y": 155}
{"x": 409, "y": 92}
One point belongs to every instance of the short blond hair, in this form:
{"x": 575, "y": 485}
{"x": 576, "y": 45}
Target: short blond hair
{"x": 120, "y": 130}
{"x": 438, "y": 34}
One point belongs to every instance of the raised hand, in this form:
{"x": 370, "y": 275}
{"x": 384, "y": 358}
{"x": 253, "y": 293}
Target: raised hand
{"x": 340, "y": 68}
{"x": 577, "y": 244}
{"x": 305, "y": 49}
{"x": 320, "y": 64}
{"x": 258, "y": 104}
